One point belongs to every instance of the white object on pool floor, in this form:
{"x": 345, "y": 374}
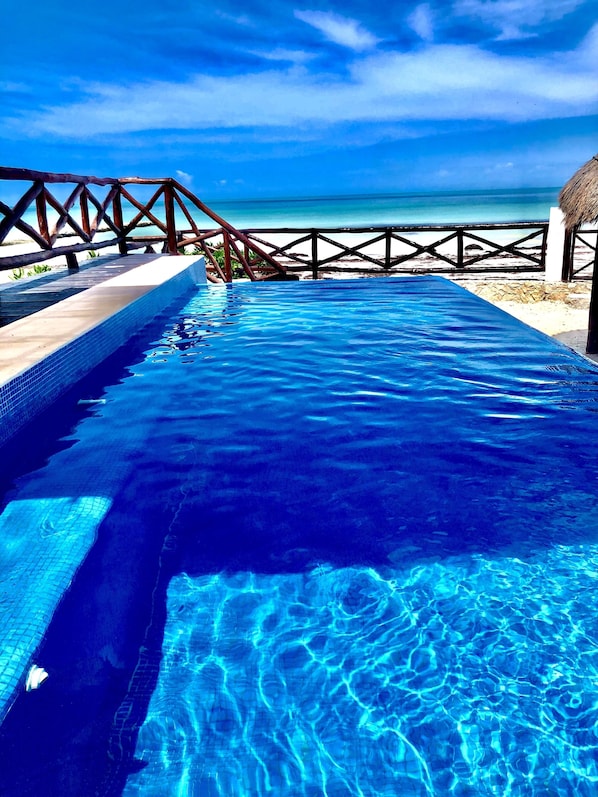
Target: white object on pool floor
{"x": 35, "y": 677}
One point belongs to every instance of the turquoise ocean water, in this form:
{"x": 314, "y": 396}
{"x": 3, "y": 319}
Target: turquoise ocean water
{"x": 397, "y": 209}
{"x": 511, "y": 205}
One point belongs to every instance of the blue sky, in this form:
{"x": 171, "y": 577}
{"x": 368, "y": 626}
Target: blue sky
{"x": 284, "y": 99}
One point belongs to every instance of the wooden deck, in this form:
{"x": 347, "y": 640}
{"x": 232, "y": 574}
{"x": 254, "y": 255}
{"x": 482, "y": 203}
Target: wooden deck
{"x": 61, "y": 317}
{"x": 30, "y": 295}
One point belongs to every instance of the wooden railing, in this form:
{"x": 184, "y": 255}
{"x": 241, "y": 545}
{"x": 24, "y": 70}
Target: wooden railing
{"x": 89, "y": 221}
{"x": 438, "y": 248}
{"x": 581, "y": 253}
{"x": 131, "y": 213}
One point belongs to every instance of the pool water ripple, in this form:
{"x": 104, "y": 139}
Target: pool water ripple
{"x": 375, "y": 507}
{"x": 453, "y": 666}
{"x": 444, "y": 678}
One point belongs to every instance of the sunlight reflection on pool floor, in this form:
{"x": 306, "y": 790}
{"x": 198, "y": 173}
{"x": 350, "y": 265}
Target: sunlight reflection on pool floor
{"x": 470, "y": 676}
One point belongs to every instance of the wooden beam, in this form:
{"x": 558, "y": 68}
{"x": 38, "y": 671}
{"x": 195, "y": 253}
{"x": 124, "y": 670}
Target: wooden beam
{"x": 144, "y": 180}
{"x": 118, "y": 219}
{"x": 36, "y": 257}
{"x": 85, "y": 212}
{"x": 213, "y": 261}
{"x": 228, "y": 270}
{"x": 144, "y": 210}
{"x": 186, "y": 212}
{"x": 198, "y": 238}
{"x": 26, "y": 228}
{"x": 64, "y": 215}
{"x": 42, "y": 216}
{"x": 9, "y": 173}
{"x": 592, "y": 342}
{"x": 171, "y": 237}
{"x": 243, "y": 261}
{"x": 13, "y": 215}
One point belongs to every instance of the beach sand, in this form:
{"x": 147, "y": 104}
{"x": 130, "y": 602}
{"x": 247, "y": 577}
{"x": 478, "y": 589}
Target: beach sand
{"x": 558, "y": 309}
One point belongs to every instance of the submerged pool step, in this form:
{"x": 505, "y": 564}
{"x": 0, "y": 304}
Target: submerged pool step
{"x": 46, "y": 534}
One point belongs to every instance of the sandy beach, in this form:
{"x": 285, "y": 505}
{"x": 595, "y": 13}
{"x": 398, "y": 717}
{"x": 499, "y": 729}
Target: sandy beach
{"x": 557, "y": 309}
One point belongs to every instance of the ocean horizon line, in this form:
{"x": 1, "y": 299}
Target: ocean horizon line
{"x": 473, "y": 192}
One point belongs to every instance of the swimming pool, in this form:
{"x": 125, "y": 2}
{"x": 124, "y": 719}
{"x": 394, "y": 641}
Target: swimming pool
{"x": 337, "y": 538}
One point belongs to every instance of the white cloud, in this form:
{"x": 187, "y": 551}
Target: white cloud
{"x": 184, "y": 177}
{"x": 421, "y": 21}
{"x": 340, "y": 30}
{"x": 282, "y": 54}
{"x": 11, "y": 86}
{"x": 237, "y": 19}
{"x": 437, "y": 82}
{"x": 515, "y": 19}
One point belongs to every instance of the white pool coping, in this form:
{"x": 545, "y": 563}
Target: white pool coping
{"x": 44, "y": 354}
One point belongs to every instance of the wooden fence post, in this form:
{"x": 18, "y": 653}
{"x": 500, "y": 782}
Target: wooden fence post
{"x": 592, "y": 342}
{"x": 118, "y": 220}
{"x": 568, "y": 254}
{"x": 171, "y": 238}
{"x": 71, "y": 261}
{"x": 314, "y": 254}
{"x": 84, "y": 204}
{"x": 228, "y": 271}
{"x": 42, "y": 216}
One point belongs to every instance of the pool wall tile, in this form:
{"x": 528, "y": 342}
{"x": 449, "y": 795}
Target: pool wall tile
{"x": 32, "y": 390}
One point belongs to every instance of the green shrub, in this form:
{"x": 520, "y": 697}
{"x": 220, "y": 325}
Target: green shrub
{"x": 38, "y": 268}
{"x": 217, "y": 253}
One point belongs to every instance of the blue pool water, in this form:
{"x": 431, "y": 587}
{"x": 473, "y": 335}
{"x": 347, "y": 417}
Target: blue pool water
{"x": 344, "y": 541}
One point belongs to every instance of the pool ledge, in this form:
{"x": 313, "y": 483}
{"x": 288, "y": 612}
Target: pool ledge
{"x": 45, "y": 353}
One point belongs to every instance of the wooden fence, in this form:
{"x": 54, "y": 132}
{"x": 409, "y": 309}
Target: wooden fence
{"x": 581, "y": 253}
{"x": 99, "y": 213}
{"x": 132, "y": 213}
{"x": 438, "y": 248}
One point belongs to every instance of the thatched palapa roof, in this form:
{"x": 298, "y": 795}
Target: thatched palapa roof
{"x": 579, "y": 197}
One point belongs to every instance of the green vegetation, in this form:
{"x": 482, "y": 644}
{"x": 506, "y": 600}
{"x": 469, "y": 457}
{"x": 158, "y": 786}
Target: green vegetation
{"x": 236, "y": 267}
{"x": 238, "y": 272}
{"x": 39, "y": 268}
{"x": 217, "y": 252}
{"x": 19, "y": 273}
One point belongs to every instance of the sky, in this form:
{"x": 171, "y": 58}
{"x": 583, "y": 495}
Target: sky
{"x": 266, "y": 99}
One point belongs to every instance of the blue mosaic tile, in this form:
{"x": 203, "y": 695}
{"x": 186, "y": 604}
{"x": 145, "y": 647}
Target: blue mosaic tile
{"x": 44, "y": 541}
{"x": 19, "y": 403}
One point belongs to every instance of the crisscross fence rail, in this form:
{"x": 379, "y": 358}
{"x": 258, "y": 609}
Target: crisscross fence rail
{"x": 99, "y": 213}
{"x": 66, "y": 214}
{"x": 581, "y": 253}
{"x": 438, "y": 248}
